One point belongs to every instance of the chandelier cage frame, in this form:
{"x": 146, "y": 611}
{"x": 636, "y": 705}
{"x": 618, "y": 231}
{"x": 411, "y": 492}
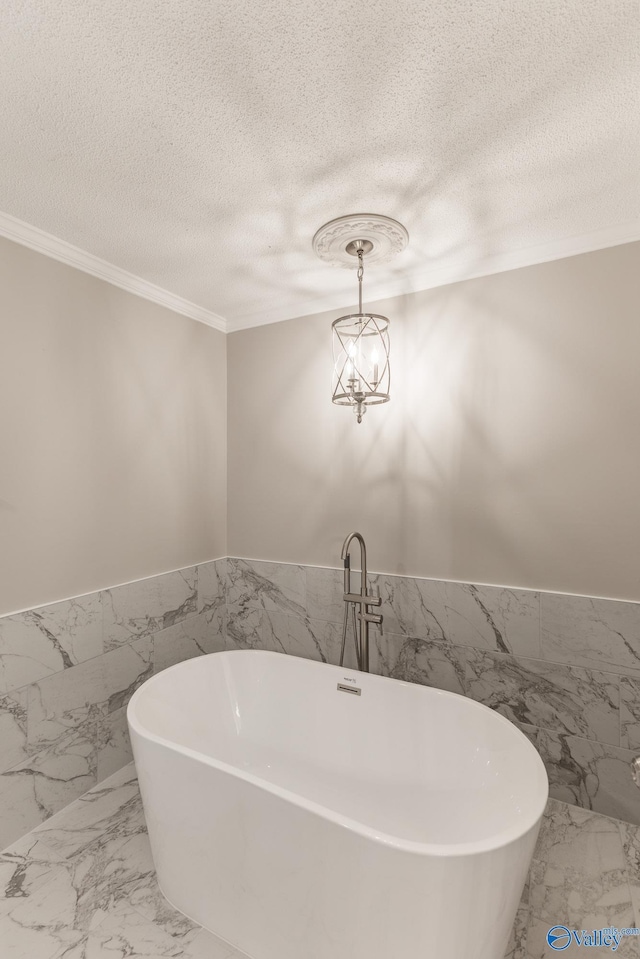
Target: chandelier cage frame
{"x": 362, "y": 371}
{"x": 361, "y": 344}
{"x": 354, "y": 385}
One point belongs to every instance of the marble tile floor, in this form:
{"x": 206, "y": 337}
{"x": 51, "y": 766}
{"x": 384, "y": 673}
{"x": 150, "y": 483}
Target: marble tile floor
{"x": 82, "y": 886}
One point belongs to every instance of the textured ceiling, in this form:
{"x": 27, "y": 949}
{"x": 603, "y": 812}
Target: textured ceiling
{"x": 200, "y": 144}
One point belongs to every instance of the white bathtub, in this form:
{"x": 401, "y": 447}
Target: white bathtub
{"x": 298, "y": 821}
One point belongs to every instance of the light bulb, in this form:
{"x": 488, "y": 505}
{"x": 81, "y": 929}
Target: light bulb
{"x": 374, "y": 360}
{"x": 352, "y": 351}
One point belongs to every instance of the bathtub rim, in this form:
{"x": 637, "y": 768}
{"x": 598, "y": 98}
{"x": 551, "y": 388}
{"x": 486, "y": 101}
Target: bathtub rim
{"x": 445, "y": 850}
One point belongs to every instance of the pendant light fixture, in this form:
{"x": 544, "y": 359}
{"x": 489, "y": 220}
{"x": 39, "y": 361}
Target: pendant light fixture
{"x": 361, "y": 347}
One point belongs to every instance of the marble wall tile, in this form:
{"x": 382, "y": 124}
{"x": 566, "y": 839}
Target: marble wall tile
{"x": 412, "y": 607}
{"x": 483, "y": 642}
{"x": 113, "y": 743}
{"x": 13, "y": 729}
{"x": 437, "y": 664}
{"x": 62, "y": 772}
{"x": 383, "y": 651}
{"x": 325, "y": 589}
{"x": 314, "y": 639}
{"x": 143, "y": 608}
{"x": 485, "y": 617}
{"x": 217, "y": 628}
{"x": 271, "y": 586}
{"x": 298, "y": 636}
{"x": 216, "y": 635}
{"x": 110, "y": 813}
{"x": 75, "y": 699}
{"x": 35, "y": 789}
{"x": 20, "y": 809}
{"x": 46, "y": 640}
{"x": 568, "y": 700}
{"x": 630, "y": 837}
{"x": 593, "y": 775}
{"x": 199, "y": 633}
{"x": 212, "y": 585}
{"x": 244, "y": 627}
{"x": 597, "y": 633}
{"x": 72, "y": 694}
{"x": 630, "y": 713}
{"x": 489, "y": 617}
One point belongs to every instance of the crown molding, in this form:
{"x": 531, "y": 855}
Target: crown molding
{"x": 42, "y": 242}
{"x": 418, "y": 279}
{"x": 412, "y": 281}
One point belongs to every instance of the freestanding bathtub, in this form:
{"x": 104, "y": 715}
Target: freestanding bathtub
{"x": 304, "y": 811}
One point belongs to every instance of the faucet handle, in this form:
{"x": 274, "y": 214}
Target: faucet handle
{"x": 376, "y": 600}
{"x": 373, "y": 598}
{"x": 374, "y": 618}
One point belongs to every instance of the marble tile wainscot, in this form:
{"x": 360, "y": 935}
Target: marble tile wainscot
{"x": 67, "y": 671}
{"x": 565, "y": 668}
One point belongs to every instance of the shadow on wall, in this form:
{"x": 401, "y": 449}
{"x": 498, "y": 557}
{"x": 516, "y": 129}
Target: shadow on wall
{"x": 518, "y": 404}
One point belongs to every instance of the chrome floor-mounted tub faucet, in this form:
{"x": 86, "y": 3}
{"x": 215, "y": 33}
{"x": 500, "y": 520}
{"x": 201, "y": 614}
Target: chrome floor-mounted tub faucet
{"x": 358, "y": 604}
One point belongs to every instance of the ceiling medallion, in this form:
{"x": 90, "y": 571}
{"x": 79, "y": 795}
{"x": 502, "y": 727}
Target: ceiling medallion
{"x": 387, "y": 238}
